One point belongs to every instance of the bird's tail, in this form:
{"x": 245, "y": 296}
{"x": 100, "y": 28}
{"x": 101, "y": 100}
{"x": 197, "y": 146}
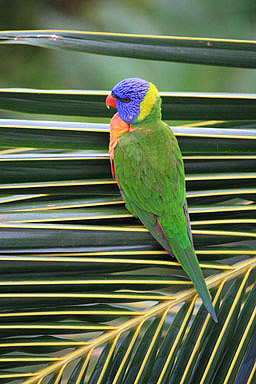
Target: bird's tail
{"x": 188, "y": 260}
{"x": 182, "y": 250}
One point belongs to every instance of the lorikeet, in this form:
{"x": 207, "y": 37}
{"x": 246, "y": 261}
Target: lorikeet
{"x": 147, "y": 164}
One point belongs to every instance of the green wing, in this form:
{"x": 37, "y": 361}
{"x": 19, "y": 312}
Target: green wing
{"x": 149, "y": 168}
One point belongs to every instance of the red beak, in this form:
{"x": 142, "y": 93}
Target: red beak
{"x": 110, "y": 101}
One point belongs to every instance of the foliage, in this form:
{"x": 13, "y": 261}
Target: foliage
{"x": 87, "y": 294}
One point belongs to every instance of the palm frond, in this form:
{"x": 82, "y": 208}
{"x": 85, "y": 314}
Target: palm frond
{"x": 87, "y": 295}
{"x": 225, "y": 52}
{"x": 148, "y": 333}
{"x": 176, "y": 105}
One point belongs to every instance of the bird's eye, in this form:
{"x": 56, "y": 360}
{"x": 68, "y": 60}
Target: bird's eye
{"x": 125, "y": 99}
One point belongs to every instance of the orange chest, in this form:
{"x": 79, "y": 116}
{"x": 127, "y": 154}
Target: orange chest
{"x": 117, "y": 128}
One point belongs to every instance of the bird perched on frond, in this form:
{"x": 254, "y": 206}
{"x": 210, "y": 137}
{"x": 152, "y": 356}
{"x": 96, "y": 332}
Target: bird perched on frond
{"x": 147, "y": 164}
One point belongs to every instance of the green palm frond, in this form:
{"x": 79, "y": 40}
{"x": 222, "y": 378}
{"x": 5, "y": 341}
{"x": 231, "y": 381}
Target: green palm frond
{"x": 154, "y": 336}
{"x": 87, "y": 295}
{"x": 176, "y": 105}
{"x": 226, "y": 52}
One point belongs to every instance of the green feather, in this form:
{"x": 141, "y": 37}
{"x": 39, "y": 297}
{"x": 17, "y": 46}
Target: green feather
{"x": 149, "y": 168}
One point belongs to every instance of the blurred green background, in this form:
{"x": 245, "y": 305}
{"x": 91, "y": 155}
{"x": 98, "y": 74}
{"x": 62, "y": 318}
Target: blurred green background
{"x": 31, "y": 67}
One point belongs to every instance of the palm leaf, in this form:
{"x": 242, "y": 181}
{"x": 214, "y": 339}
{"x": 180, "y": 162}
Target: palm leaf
{"x": 233, "y": 53}
{"x": 87, "y": 294}
{"x": 216, "y": 337}
{"x": 176, "y": 106}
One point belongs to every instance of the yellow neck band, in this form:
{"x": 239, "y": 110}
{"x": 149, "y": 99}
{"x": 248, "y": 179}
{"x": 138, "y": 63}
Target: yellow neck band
{"x": 148, "y": 102}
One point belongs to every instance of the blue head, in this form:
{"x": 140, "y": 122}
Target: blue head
{"x": 133, "y": 98}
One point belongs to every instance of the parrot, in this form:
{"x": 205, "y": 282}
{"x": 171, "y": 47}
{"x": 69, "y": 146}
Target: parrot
{"x": 147, "y": 164}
